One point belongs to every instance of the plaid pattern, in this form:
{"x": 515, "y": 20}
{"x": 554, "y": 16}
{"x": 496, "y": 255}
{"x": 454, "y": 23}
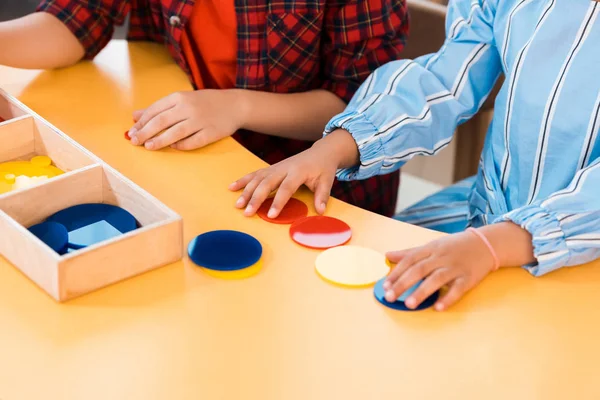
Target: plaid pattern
{"x": 284, "y": 46}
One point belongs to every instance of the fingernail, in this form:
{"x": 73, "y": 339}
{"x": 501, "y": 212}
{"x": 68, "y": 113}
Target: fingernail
{"x": 439, "y": 307}
{"x": 132, "y": 132}
{"x": 390, "y": 296}
{"x": 322, "y": 207}
{"x": 149, "y": 145}
{"x": 249, "y": 209}
{"x": 387, "y": 285}
{"x": 239, "y": 202}
{"x": 134, "y": 140}
{"x": 272, "y": 213}
{"x": 232, "y": 185}
{"x": 411, "y": 302}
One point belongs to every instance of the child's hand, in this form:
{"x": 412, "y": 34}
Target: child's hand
{"x": 313, "y": 168}
{"x": 460, "y": 261}
{"x": 188, "y": 120}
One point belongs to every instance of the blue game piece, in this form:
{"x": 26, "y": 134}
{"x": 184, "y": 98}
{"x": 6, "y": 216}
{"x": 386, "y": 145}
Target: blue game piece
{"x": 92, "y": 234}
{"x": 225, "y": 250}
{"x": 53, "y": 234}
{"x": 87, "y": 223}
{"x": 399, "y": 304}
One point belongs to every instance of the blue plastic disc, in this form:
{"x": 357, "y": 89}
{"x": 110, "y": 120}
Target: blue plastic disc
{"x": 94, "y": 219}
{"x": 225, "y": 250}
{"x": 53, "y": 234}
{"x": 399, "y": 304}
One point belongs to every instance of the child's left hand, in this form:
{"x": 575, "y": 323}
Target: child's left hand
{"x": 187, "y": 120}
{"x": 460, "y": 261}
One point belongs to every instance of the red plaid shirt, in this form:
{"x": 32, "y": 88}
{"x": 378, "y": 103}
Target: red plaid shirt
{"x": 283, "y": 46}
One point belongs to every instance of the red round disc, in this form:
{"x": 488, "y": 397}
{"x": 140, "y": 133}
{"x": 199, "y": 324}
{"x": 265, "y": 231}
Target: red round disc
{"x": 292, "y": 212}
{"x": 127, "y": 135}
{"x": 320, "y": 232}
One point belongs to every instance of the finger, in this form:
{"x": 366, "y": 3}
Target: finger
{"x": 264, "y": 189}
{"x": 434, "y": 282}
{"x": 158, "y": 124}
{"x": 137, "y": 114}
{"x": 242, "y": 182}
{"x": 249, "y": 190}
{"x": 396, "y": 256}
{"x": 199, "y": 140}
{"x": 415, "y": 273}
{"x": 149, "y": 113}
{"x": 411, "y": 257}
{"x": 172, "y": 135}
{"x": 456, "y": 290}
{"x": 322, "y": 193}
{"x": 288, "y": 187}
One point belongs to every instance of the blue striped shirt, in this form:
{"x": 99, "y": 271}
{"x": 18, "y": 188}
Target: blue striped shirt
{"x": 540, "y": 166}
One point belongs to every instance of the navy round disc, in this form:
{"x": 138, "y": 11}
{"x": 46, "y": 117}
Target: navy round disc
{"x": 83, "y": 215}
{"x": 55, "y": 235}
{"x": 398, "y": 304}
{"x": 225, "y": 250}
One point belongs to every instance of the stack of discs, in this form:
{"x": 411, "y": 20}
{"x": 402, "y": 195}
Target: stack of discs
{"x": 227, "y": 254}
{"x": 83, "y": 225}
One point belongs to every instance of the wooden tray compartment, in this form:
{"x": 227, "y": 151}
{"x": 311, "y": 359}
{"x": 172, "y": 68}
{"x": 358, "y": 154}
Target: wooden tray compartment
{"x": 10, "y": 109}
{"x": 159, "y": 240}
{"x": 25, "y": 137}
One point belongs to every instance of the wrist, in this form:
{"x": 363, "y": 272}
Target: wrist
{"x": 489, "y": 248}
{"x": 341, "y": 147}
{"x": 241, "y": 102}
{"x": 512, "y": 244}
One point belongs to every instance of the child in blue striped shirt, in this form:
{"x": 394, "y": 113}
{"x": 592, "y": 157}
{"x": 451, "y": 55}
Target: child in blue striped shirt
{"x": 535, "y": 200}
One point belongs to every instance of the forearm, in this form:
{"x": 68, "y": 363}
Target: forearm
{"x": 512, "y": 244}
{"x": 296, "y": 115}
{"x": 38, "y": 41}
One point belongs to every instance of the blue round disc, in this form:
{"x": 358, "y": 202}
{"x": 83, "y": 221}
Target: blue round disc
{"x": 399, "y": 304}
{"x": 53, "y": 234}
{"x": 225, "y": 250}
{"x": 110, "y": 220}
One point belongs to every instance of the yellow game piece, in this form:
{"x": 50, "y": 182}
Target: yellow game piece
{"x": 23, "y": 182}
{"x": 39, "y": 168}
{"x": 352, "y": 266}
{"x": 10, "y": 178}
{"x": 234, "y": 275}
{"x": 41, "y": 161}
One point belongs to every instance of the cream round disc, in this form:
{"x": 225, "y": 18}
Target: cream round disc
{"x": 352, "y": 266}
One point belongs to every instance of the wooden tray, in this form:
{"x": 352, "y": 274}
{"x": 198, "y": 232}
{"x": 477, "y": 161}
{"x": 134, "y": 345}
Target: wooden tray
{"x": 87, "y": 179}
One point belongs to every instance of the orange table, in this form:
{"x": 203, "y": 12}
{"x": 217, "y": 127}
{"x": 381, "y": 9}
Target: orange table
{"x": 177, "y": 333}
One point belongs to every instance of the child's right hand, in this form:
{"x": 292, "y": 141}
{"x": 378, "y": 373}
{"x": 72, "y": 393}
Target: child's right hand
{"x": 313, "y": 168}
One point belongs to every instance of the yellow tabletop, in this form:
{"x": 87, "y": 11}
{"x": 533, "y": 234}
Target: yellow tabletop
{"x": 285, "y": 334}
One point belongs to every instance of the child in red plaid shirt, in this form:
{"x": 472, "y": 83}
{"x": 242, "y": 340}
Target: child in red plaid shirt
{"x": 295, "y": 64}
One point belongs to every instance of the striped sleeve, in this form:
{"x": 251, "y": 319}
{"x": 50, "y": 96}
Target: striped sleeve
{"x": 566, "y": 226}
{"x": 408, "y": 108}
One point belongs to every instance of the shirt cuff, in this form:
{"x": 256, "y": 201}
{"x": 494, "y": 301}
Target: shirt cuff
{"x": 549, "y": 240}
{"x": 92, "y": 30}
{"x": 371, "y": 151}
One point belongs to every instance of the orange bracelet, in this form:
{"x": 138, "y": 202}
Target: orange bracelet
{"x": 488, "y": 245}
